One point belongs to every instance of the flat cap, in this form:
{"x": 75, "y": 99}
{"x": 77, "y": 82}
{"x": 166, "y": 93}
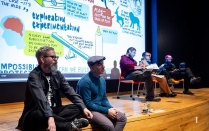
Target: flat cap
{"x": 95, "y": 59}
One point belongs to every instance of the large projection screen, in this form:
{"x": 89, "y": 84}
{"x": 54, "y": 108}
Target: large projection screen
{"x": 77, "y": 29}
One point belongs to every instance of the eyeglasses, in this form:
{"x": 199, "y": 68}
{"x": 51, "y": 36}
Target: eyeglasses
{"x": 53, "y": 57}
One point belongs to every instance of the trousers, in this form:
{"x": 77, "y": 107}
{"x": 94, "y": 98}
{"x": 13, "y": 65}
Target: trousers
{"x": 139, "y": 76}
{"x": 106, "y": 123}
{"x": 63, "y": 115}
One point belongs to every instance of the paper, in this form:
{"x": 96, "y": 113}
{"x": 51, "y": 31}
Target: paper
{"x": 152, "y": 66}
{"x": 162, "y": 66}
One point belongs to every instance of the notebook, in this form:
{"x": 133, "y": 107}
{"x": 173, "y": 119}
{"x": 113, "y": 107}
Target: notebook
{"x": 153, "y": 66}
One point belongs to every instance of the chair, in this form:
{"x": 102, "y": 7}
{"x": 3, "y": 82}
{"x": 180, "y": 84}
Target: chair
{"x": 181, "y": 80}
{"x": 155, "y": 85}
{"x": 132, "y": 82}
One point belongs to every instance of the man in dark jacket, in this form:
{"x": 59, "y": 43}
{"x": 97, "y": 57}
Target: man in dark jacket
{"x": 43, "y": 109}
{"x": 177, "y": 74}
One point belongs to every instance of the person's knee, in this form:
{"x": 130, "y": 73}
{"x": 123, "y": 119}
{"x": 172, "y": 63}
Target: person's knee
{"x": 37, "y": 115}
{"x": 39, "y": 118}
{"x": 36, "y": 121}
{"x": 109, "y": 127}
{"x": 123, "y": 118}
{"x": 74, "y": 108}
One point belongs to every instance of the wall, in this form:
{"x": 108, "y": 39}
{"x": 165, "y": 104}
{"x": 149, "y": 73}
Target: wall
{"x": 182, "y": 33}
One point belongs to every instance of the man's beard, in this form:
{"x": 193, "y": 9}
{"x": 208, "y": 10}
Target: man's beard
{"x": 51, "y": 67}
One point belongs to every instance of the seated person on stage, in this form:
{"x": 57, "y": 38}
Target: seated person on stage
{"x": 43, "y": 109}
{"x": 92, "y": 88}
{"x": 162, "y": 71}
{"x": 179, "y": 74}
{"x": 130, "y": 71}
{"x": 164, "y": 87}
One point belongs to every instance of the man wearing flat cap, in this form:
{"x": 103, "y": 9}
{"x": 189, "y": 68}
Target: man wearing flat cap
{"x": 92, "y": 88}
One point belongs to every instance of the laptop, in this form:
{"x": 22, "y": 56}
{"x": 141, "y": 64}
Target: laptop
{"x": 182, "y": 66}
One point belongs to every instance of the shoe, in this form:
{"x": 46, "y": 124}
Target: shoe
{"x": 162, "y": 94}
{"x": 153, "y": 99}
{"x": 167, "y": 95}
{"x": 172, "y": 94}
{"x": 188, "y": 92}
{"x": 195, "y": 80}
{"x": 172, "y": 81}
{"x": 79, "y": 123}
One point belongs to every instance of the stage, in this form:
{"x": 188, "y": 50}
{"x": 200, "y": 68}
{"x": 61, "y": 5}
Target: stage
{"x": 181, "y": 113}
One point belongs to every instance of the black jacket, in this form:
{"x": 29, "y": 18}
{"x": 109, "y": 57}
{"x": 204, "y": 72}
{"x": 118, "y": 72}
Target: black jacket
{"x": 169, "y": 66}
{"x": 36, "y": 93}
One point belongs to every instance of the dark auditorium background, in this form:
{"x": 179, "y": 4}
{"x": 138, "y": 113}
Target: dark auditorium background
{"x": 182, "y": 31}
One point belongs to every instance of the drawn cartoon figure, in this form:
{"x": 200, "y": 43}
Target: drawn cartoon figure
{"x": 119, "y": 19}
{"x": 13, "y": 31}
{"x": 136, "y": 6}
{"x": 69, "y": 55}
{"x": 134, "y": 20}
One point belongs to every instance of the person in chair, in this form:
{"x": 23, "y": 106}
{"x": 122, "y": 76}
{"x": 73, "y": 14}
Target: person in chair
{"x": 179, "y": 74}
{"x": 131, "y": 71}
{"x": 163, "y": 81}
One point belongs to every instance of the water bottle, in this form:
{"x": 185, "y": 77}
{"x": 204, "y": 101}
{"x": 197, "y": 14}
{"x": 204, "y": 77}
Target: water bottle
{"x": 148, "y": 106}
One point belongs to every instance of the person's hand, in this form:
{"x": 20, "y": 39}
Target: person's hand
{"x": 112, "y": 113}
{"x": 154, "y": 73}
{"x": 51, "y": 124}
{"x": 87, "y": 113}
{"x": 142, "y": 66}
{"x": 139, "y": 67}
{"x": 175, "y": 70}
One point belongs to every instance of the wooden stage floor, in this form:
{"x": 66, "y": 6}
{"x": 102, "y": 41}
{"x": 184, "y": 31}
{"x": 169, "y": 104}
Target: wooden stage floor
{"x": 180, "y": 113}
